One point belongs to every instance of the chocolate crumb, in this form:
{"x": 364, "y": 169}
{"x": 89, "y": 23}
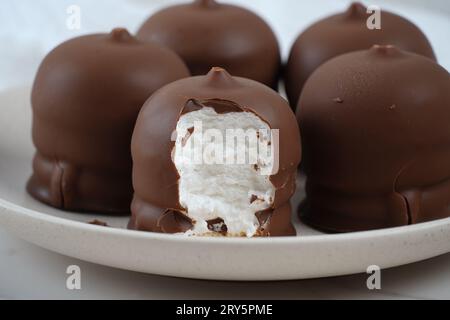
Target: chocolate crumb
{"x": 253, "y": 198}
{"x": 218, "y": 225}
{"x": 187, "y": 136}
{"x": 98, "y": 223}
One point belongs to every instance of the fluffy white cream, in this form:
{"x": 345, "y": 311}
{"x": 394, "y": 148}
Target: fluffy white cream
{"x": 230, "y": 184}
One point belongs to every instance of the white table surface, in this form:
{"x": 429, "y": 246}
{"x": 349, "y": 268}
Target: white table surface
{"x": 29, "y": 272}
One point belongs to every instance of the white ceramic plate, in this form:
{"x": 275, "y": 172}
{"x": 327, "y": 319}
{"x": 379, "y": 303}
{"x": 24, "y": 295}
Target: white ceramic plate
{"x": 308, "y": 255}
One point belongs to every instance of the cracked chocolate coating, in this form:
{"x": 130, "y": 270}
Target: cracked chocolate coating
{"x": 86, "y": 97}
{"x": 376, "y": 139}
{"x": 207, "y": 34}
{"x": 156, "y": 204}
{"x": 344, "y": 33}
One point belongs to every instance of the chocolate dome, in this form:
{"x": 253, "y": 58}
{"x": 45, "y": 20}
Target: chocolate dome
{"x": 162, "y": 205}
{"x": 209, "y": 34}
{"x": 344, "y": 33}
{"x": 376, "y": 139}
{"x": 86, "y": 98}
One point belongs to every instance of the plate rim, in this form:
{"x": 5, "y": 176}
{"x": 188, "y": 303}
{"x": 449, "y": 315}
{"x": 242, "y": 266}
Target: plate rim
{"x": 299, "y": 239}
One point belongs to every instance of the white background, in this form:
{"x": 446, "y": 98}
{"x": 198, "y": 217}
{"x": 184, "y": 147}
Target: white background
{"x": 30, "y": 28}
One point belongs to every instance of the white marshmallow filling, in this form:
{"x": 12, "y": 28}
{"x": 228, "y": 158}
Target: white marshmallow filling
{"x": 224, "y": 170}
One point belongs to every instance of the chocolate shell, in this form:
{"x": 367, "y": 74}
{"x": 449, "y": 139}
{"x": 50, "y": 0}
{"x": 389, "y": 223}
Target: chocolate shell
{"x": 376, "y": 139}
{"x": 156, "y": 206}
{"x": 86, "y": 97}
{"x": 344, "y": 33}
{"x": 208, "y": 34}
